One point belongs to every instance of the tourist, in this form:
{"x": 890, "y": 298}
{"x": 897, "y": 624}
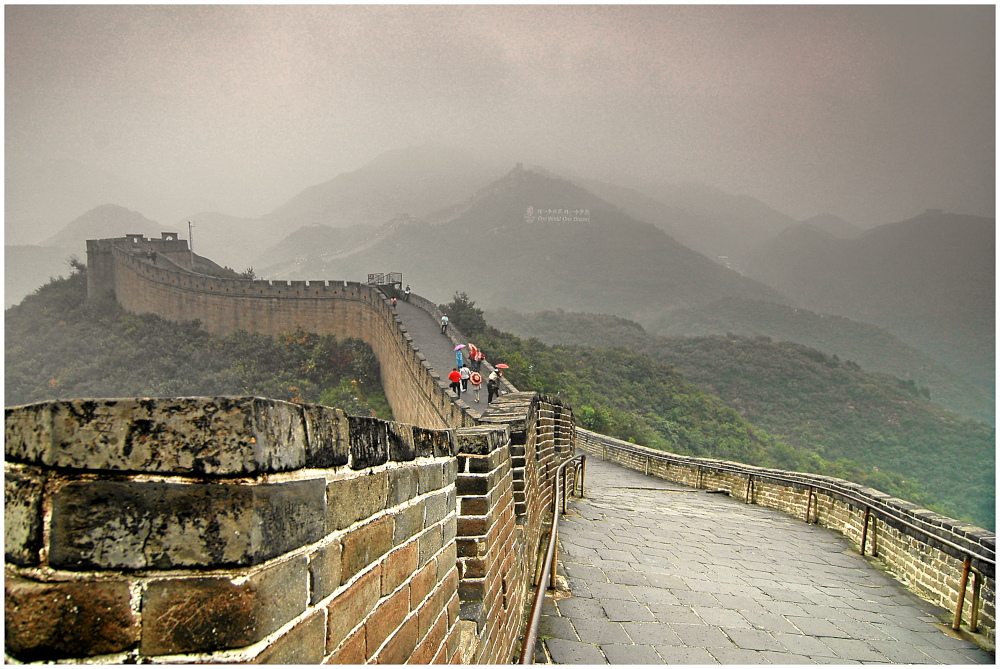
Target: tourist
{"x": 476, "y": 379}
{"x": 456, "y": 381}
{"x": 492, "y": 386}
{"x": 406, "y": 293}
{"x": 444, "y": 324}
{"x": 459, "y": 358}
{"x": 465, "y": 373}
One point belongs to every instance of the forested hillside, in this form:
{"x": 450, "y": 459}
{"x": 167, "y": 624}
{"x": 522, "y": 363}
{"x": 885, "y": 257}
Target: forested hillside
{"x": 815, "y": 402}
{"x": 60, "y": 345}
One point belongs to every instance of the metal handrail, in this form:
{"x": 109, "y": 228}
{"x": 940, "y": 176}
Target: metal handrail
{"x": 860, "y": 503}
{"x": 870, "y": 511}
{"x": 531, "y": 635}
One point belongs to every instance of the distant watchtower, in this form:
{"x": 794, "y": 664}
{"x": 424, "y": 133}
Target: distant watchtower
{"x": 101, "y": 267}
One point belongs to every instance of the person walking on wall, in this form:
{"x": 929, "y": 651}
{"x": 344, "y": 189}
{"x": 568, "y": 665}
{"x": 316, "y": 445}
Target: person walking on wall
{"x": 476, "y": 379}
{"x": 456, "y": 381}
{"x": 465, "y": 373}
{"x": 459, "y": 359}
{"x": 492, "y": 387}
{"x": 406, "y": 293}
{"x": 477, "y": 356}
{"x": 444, "y": 325}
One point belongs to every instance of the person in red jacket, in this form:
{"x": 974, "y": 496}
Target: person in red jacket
{"x": 456, "y": 381}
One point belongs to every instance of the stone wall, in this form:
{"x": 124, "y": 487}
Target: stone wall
{"x": 254, "y": 530}
{"x": 158, "y": 285}
{"x": 232, "y": 529}
{"x": 930, "y": 562}
{"x": 506, "y": 482}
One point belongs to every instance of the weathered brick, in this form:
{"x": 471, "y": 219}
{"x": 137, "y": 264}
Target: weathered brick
{"x": 326, "y": 430}
{"x": 430, "y": 543}
{"x": 303, "y": 644}
{"x": 401, "y": 447}
{"x": 472, "y": 484}
{"x": 202, "y": 614}
{"x": 398, "y": 566}
{"x": 432, "y": 443}
{"x": 217, "y": 436}
{"x": 353, "y": 650}
{"x": 369, "y": 442}
{"x": 386, "y": 618}
{"x": 400, "y": 646}
{"x": 430, "y": 477}
{"x": 357, "y": 498}
{"x": 52, "y": 621}
{"x": 422, "y": 584}
{"x": 144, "y": 525}
{"x": 352, "y": 606}
{"x": 434, "y": 614}
{"x": 475, "y": 506}
{"x": 437, "y": 507}
{"x": 325, "y": 571}
{"x": 366, "y": 544}
{"x": 22, "y": 516}
{"x": 473, "y": 526}
{"x": 402, "y": 486}
{"x": 409, "y": 523}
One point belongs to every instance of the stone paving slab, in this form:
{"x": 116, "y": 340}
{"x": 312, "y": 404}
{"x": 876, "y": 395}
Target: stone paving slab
{"x": 662, "y": 574}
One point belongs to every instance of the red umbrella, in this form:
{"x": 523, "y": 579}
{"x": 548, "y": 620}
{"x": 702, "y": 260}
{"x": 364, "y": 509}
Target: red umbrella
{"x": 502, "y": 366}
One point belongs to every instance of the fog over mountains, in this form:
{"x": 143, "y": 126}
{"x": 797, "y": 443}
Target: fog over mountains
{"x": 522, "y": 238}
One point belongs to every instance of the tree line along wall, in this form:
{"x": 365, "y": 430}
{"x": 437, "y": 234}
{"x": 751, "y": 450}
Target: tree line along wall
{"x": 145, "y": 280}
{"x": 255, "y": 530}
{"x": 923, "y": 563}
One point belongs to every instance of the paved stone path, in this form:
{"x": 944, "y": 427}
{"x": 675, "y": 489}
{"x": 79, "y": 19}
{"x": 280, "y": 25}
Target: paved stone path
{"x": 438, "y": 349}
{"x": 661, "y": 573}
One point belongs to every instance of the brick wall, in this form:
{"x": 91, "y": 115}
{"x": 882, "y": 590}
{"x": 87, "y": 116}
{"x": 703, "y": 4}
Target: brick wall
{"x": 924, "y": 563}
{"x": 231, "y": 529}
{"x": 254, "y": 530}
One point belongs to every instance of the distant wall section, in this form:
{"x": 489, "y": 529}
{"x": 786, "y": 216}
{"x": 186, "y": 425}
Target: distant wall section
{"x": 146, "y": 277}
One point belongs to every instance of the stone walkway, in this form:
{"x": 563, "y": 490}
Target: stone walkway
{"x": 664, "y": 574}
{"x": 438, "y": 349}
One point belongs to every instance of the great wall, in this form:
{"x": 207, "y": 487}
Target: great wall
{"x": 253, "y": 530}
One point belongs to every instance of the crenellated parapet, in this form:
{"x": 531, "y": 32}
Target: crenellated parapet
{"x": 247, "y": 529}
{"x": 144, "y": 281}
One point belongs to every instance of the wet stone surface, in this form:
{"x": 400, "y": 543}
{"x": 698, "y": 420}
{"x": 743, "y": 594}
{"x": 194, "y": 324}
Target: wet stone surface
{"x": 665, "y": 574}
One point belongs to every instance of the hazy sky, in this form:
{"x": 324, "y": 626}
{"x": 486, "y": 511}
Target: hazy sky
{"x": 871, "y": 113}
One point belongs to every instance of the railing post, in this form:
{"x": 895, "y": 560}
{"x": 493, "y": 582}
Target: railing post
{"x": 961, "y": 593}
{"x": 974, "y": 614}
{"x": 864, "y": 532}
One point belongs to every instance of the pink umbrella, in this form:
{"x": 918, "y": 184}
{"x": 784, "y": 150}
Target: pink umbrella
{"x": 502, "y": 366}
{"x": 460, "y": 346}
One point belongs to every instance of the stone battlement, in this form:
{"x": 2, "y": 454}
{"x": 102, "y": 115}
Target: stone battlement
{"x": 248, "y": 529}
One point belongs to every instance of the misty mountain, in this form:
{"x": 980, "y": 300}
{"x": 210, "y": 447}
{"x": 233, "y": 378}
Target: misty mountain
{"x": 533, "y": 242}
{"x": 414, "y": 181}
{"x": 103, "y": 222}
{"x": 873, "y": 348}
{"x": 833, "y": 225}
{"x": 929, "y": 280}
{"x": 722, "y": 226}
{"x": 41, "y": 197}
{"x": 26, "y": 267}
{"x": 228, "y": 240}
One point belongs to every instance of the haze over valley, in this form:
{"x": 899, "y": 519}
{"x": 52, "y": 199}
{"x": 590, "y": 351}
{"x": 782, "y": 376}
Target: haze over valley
{"x": 804, "y": 189}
